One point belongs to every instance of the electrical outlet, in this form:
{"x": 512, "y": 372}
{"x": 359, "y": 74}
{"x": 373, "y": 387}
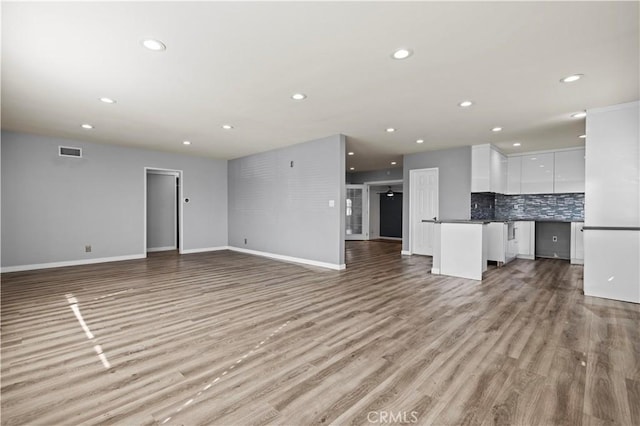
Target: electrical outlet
{"x": 87, "y": 249}
{"x": 555, "y": 239}
{"x": 245, "y": 241}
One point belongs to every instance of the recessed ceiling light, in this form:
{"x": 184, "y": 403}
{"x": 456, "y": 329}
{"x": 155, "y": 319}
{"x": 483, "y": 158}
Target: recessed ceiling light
{"x": 420, "y": 141}
{"x": 227, "y": 126}
{"x": 572, "y": 78}
{"x": 393, "y": 163}
{"x": 516, "y": 144}
{"x": 402, "y": 53}
{"x": 350, "y": 153}
{"x": 465, "y": 104}
{"x": 186, "y": 143}
{"x": 390, "y": 130}
{"x": 87, "y": 126}
{"x": 496, "y": 129}
{"x": 298, "y": 96}
{"x": 155, "y": 45}
{"x": 533, "y": 159}
{"x": 107, "y": 100}
{"x": 352, "y": 168}
{"x": 580, "y": 114}
{"x": 582, "y": 136}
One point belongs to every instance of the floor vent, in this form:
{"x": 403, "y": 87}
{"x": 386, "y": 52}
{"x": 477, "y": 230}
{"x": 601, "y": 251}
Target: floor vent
{"x": 68, "y": 151}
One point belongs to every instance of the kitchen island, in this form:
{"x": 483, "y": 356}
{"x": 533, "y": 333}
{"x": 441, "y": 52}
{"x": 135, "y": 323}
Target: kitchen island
{"x": 460, "y": 248}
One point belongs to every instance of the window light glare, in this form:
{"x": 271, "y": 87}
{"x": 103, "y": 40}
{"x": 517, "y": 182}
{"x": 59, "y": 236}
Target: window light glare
{"x": 402, "y": 53}
{"x": 465, "y": 104}
{"x": 572, "y": 78}
{"x": 87, "y": 126}
{"x": 155, "y": 45}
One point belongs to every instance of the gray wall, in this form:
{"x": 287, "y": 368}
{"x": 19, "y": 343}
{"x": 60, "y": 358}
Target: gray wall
{"x": 53, "y": 206}
{"x": 454, "y": 183}
{"x": 161, "y": 211}
{"x": 285, "y": 210}
{"x": 375, "y": 175}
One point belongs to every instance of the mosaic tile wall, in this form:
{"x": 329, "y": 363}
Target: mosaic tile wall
{"x": 483, "y": 206}
{"x": 560, "y": 207}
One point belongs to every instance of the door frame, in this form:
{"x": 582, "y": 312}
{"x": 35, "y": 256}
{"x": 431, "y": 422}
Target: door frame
{"x": 380, "y": 183}
{"x": 412, "y": 174}
{"x": 178, "y": 227}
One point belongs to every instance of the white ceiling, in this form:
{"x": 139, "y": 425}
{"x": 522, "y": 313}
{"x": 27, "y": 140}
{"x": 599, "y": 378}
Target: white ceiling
{"x": 239, "y": 63}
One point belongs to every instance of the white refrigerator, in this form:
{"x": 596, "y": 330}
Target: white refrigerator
{"x": 612, "y": 203}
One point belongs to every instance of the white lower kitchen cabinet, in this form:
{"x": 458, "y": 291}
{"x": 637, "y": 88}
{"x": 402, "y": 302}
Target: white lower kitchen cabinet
{"x": 577, "y": 243}
{"x": 502, "y": 242}
{"x": 525, "y": 232}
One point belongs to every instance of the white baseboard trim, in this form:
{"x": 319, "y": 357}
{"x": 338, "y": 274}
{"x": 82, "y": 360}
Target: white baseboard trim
{"x": 577, "y": 261}
{"x": 205, "y": 249}
{"x": 406, "y": 253}
{"x": 154, "y": 249}
{"x": 20, "y": 268}
{"x": 284, "y": 258}
{"x": 526, "y": 256}
{"x": 435, "y": 271}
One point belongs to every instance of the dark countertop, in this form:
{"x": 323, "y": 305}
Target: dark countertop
{"x": 462, "y": 221}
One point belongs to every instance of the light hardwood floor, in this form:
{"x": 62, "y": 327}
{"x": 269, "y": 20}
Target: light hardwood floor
{"x": 231, "y": 339}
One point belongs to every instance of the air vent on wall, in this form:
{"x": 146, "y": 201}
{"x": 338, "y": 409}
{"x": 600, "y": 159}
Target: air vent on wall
{"x": 68, "y": 151}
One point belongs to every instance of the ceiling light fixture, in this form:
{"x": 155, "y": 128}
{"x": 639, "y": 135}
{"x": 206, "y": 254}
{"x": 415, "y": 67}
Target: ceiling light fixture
{"x": 227, "y": 126}
{"x": 352, "y": 168}
{"x": 393, "y": 163}
{"x": 298, "y": 96}
{"x": 496, "y": 129}
{"x": 580, "y": 114}
{"x": 350, "y": 153}
{"x": 420, "y": 141}
{"x": 516, "y": 144}
{"x": 155, "y": 45}
{"x": 582, "y": 136}
{"x": 402, "y": 53}
{"x": 390, "y": 129}
{"x": 186, "y": 143}
{"x": 389, "y": 193}
{"x": 107, "y": 100}
{"x": 465, "y": 104}
{"x": 87, "y": 126}
{"x": 572, "y": 78}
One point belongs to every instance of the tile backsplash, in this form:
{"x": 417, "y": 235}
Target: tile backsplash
{"x": 561, "y": 207}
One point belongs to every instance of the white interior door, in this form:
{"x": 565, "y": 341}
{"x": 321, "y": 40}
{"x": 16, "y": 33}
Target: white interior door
{"x": 357, "y": 217}
{"x": 423, "y": 204}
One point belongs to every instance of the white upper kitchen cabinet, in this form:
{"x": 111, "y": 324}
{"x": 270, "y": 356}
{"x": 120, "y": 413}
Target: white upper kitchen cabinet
{"x": 537, "y": 173}
{"x": 488, "y": 169}
{"x": 569, "y": 171}
{"x": 514, "y": 168}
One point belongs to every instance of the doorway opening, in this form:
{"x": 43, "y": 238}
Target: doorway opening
{"x": 163, "y": 224}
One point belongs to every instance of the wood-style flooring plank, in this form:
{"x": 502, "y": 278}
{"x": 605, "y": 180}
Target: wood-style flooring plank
{"x": 225, "y": 338}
